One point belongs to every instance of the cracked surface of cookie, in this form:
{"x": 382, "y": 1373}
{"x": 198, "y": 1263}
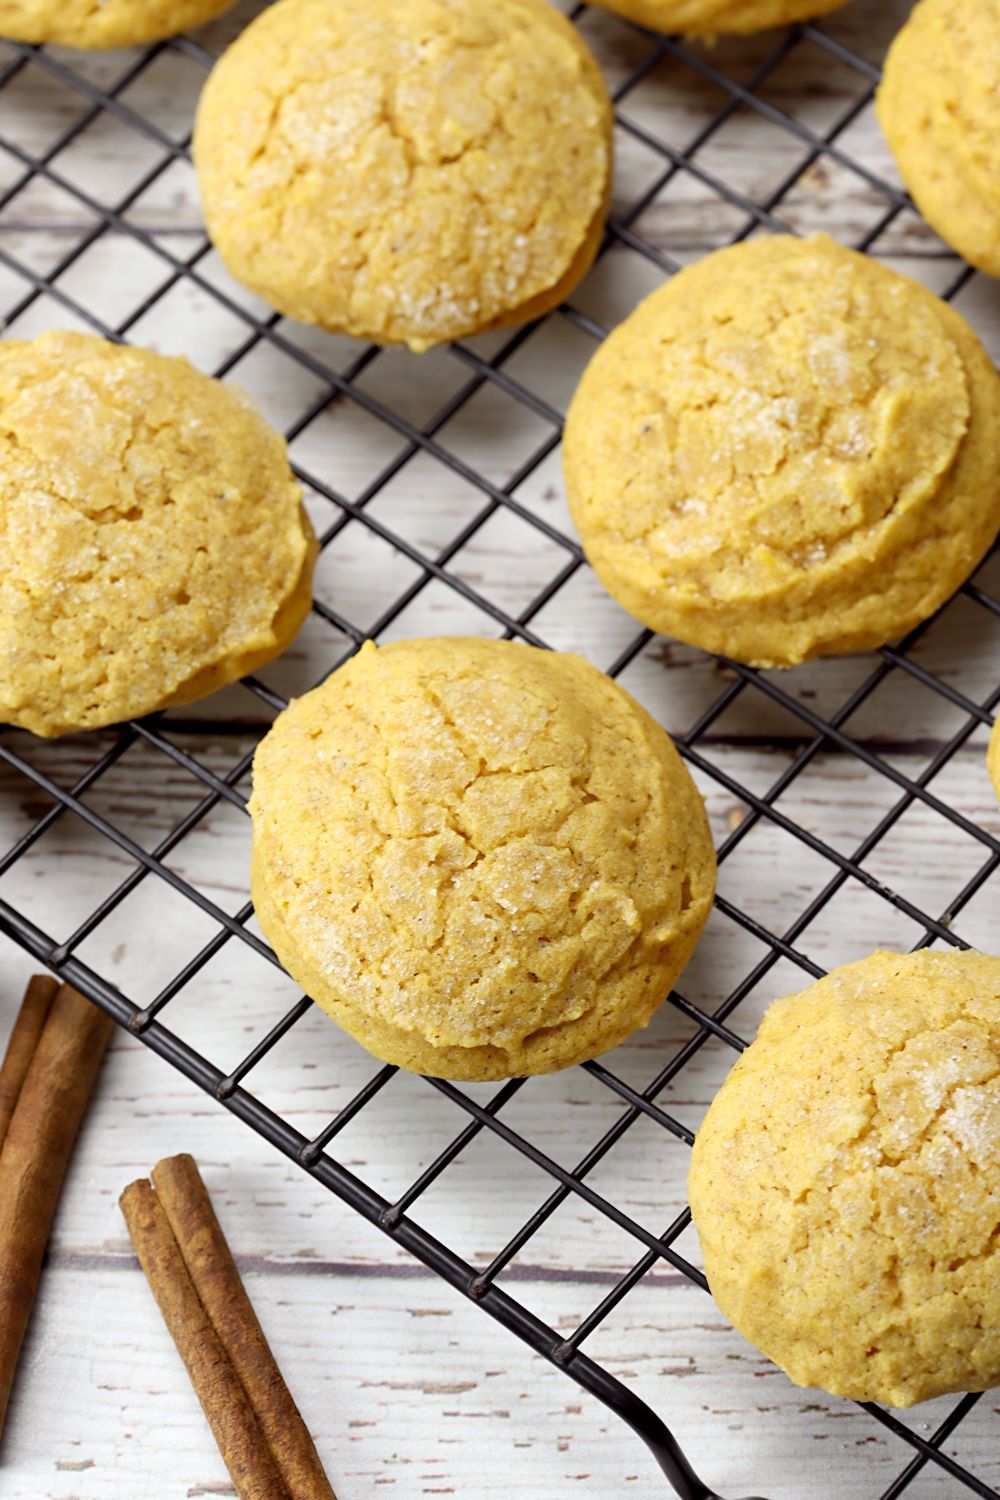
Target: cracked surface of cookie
{"x": 154, "y": 538}
{"x": 845, "y": 1182}
{"x": 408, "y": 172}
{"x": 939, "y": 106}
{"x": 103, "y": 23}
{"x": 786, "y": 451}
{"x": 711, "y": 18}
{"x": 482, "y": 859}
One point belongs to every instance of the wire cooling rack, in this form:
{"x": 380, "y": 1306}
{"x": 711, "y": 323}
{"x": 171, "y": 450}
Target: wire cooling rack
{"x": 690, "y": 144}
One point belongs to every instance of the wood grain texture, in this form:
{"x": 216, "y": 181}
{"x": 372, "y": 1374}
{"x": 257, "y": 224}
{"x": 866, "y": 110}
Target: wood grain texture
{"x": 408, "y": 1389}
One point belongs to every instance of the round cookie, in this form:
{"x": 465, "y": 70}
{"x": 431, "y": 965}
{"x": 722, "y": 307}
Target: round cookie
{"x": 939, "y": 106}
{"x": 711, "y": 18}
{"x": 109, "y": 23}
{"x": 845, "y": 1182}
{"x": 482, "y": 859}
{"x": 407, "y": 171}
{"x": 154, "y": 541}
{"x": 786, "y": 451}
{"x": 993, "y": 757}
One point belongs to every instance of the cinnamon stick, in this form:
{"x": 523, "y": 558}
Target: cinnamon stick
{"x": 43, "y": 1127}
{"x": 224, "y": 1401}
{"x": 188, "y": 1207}
{"x": 28, "y": 1027}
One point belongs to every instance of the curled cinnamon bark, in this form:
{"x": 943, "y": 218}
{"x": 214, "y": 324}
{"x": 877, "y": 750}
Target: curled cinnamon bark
{"x": 261, "y": 1435}
{"x": 185, "y": 1200}
{"x": 55, "y": 1087}
{"x": 28, "y": 1027}
{"x": 218, "y": 1387}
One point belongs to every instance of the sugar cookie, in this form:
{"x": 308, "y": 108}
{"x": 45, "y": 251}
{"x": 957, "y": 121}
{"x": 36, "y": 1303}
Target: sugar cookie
{"x": 481, "y": 858}
{"x": 711, "y": 18}
{"x": 407, "y": 171}
{"x": 107, "y": 23}
{"x": 154, "y": 541}
{"x": 939, "y": 106}
{"x": 845, "y": 1182}
{"x": 787, "y": 451}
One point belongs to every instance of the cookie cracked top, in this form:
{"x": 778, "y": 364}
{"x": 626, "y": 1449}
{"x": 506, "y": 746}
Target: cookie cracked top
{"x": 787, "y": 450}
{"x": 154, "y": 538}
{"x": 845, "y": 1182}
{"x": 480, "y": 857}
{"x": 408, "y": 172}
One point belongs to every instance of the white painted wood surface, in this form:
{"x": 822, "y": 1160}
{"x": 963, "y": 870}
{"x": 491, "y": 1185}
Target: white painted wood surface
{"x": 409, "y": 1389}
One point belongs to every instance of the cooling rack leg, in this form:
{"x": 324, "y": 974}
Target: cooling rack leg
{"x": 644, "y": 1422}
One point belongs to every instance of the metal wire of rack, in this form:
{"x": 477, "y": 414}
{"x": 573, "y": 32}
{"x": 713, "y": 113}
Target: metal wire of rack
{"x": 819, "y": 732}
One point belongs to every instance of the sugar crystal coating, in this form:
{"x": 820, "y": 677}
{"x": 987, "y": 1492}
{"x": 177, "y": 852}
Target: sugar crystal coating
{"x": 103, "y": 23}
{"x": 481, "y": 858}
{"x": 845, "y": 1182}
{"x": 939, "y": 105}
{"x": 154, "y": 540}
{"x": 408, "y": 172}
{"x": 788, "y": 450}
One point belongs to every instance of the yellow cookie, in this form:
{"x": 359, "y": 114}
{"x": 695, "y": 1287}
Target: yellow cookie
{"x": 154, "y": 542}
{"x": 710, "y": 18}
{"x": 407, "y": 171}
{"x": 481, "y": 859}
{"x": 939, "y": 105}
{"x": 787, "y": 451}
{"x": 993, "y": 758}
{"x": 103, "y": 23}
{"x": 845, "y": 1182}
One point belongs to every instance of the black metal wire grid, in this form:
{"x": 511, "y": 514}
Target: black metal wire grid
{"x": 820, "y": 733}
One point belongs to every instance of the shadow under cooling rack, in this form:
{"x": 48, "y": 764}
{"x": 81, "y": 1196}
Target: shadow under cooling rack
{"x": 714, "y": 146}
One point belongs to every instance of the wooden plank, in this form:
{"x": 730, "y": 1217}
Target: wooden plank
{"x": 408, "y": 1387}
